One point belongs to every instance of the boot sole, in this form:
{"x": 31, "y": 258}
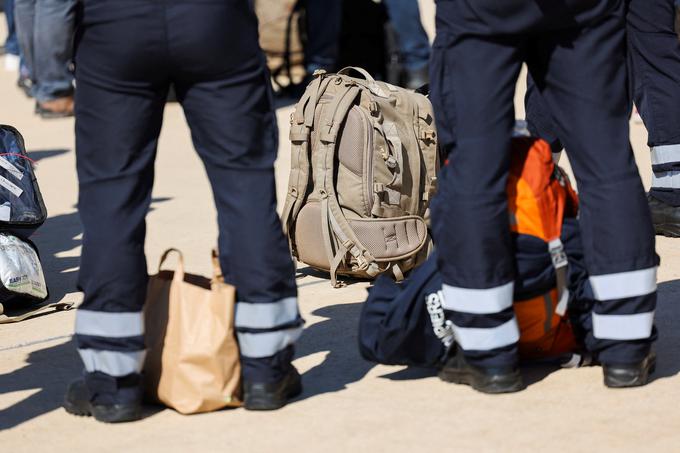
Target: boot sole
{"x": 104, "y": 416}
{"x": 670, "y": 230}
{"x": 614, "y": 383}
{"x": 496, "y": 387}
{"x": 269, "y": 404}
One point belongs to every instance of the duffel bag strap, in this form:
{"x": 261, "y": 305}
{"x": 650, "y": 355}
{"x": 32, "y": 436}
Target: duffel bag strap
{"x": 57, "y": 306}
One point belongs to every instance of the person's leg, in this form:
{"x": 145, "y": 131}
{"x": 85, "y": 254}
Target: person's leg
{"x": 581, "y": 74}
{"x": 120, "y": 99}
{"x": 227, "y": 100}
{"x": 472, "y": 88}
{"x": 540, "y": 122}
{"x": 24, "y": 18}
{"x": 54, "y": 29}
{"x": 654, "y": 58}
{"x": 414, "y": 45}
{"x": 11, "y": 43}
{"x": 324, "y": 20}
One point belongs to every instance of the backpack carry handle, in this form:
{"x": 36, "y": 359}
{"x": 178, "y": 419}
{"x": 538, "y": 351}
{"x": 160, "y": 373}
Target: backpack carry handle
{"x": 366, "y": 75}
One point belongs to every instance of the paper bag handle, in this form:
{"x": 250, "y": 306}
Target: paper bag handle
{"x": 179, "y": 273}
{"x": 217, "y": 269}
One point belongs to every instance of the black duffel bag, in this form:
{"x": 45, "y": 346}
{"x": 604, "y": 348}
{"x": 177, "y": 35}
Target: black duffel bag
{"x": 22, "y": 209}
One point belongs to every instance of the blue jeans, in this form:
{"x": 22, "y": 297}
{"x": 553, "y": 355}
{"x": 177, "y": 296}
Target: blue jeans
{"x": 414, "y": 45}
{"x": 324, "y": 23}
{"x": 11, "y": 44}
{"x": 45, "y": 31}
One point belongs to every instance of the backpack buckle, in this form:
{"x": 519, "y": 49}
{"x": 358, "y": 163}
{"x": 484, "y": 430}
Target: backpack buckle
{"x": 557, "y": 253}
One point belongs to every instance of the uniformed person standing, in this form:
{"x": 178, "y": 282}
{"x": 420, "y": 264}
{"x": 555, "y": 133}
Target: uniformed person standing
{"x": 654, "y": 59}
{"x": 653, "y": 36}
{"x": 576, "y": 54}
{"x": 127, "y": 56}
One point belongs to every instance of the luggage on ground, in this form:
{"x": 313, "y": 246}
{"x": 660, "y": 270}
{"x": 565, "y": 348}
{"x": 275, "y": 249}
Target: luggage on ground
{"x": 192, "y": 363}
{"x": 405, "y": 324}
{"x": 22, "y": 209}
{"x": 363, "y": 169}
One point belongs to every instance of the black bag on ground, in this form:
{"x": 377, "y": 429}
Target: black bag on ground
{"x": 22, "y": 209}
{"x": 403, "y": 323}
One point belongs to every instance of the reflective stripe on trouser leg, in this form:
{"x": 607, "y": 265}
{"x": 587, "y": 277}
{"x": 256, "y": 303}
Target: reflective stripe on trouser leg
{"x": 263, "y": 329}
{"x": 111, "y": 343}
{"x": 666, "y": 165}
{"x": 626, "y": 303}
{"x": 483, "y": 319}
{"x": 666, "y": 154}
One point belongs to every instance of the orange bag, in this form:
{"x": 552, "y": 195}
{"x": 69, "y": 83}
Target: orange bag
{"x": 192, "y": 362}
{"x": 539, "y": 198}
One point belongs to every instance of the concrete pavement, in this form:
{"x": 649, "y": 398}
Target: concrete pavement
{"x": 348, "y": 404}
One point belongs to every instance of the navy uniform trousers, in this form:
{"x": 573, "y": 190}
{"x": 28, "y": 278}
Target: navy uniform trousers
{"x": 576, "y": 53}
{"x": 128, "y": 54}
{"x": 654, "y": 77}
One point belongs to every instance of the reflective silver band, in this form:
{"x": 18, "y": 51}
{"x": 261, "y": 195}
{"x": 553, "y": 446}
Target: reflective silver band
{"x": 266, "y": 316}
{"x": 266, "y": 344}
{"x": 113, "y": 363}
{"x": 665, "y": 154}
{"x": 623, "y": 327}
{"x": 666, "y": 180}
{"x": 110, "y": 325}
{"x": 478, "y": 301}
{"x": 486, "y": 339}
{"x": 624, "y": 284}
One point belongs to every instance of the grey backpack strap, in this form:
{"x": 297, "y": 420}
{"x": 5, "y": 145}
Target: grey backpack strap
{"x": 332, "y": 218}
{"x": 302, "y": 121}
{"x": 560, "y": 263}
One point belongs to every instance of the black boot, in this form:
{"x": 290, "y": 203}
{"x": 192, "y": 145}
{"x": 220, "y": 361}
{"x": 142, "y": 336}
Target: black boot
{"x": 80, "y": 401}
{"x": 666, "y": 218}
{"x": 633, "y": 375}
{"x": 259, "y": 396}
{"x": 486, "y": 380}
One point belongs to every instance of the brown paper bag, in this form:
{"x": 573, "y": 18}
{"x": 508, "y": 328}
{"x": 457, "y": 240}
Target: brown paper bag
{"x": 192, "y": 363}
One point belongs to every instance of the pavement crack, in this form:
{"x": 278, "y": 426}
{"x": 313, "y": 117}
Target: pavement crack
{"x": 31, "y": 343}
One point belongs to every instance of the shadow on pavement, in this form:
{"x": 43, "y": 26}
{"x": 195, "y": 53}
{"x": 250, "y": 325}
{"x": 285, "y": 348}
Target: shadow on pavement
{"x": 338, "y": 335}
{"x": 47, "y": 372}
{"x": 59, "y": 234}
{"x": 41, "y": 154}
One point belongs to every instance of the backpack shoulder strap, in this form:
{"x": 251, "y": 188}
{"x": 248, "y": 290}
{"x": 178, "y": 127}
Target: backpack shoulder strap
{"x": 332, "y": 218}
{"x": 302, "y": 122}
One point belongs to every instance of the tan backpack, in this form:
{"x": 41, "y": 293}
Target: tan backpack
{"x": 363, "y": 169}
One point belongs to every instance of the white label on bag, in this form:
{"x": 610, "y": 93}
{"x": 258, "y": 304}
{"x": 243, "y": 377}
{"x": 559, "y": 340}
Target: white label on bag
{"x": 20, "y": 269}
{"x": 5, "y": 212}
{"x": 7, "y": 165}
{"x": 9, "y": 185}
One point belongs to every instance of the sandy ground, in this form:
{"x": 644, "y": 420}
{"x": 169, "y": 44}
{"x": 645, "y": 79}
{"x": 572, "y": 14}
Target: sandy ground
{"x": 348, "y": 403}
